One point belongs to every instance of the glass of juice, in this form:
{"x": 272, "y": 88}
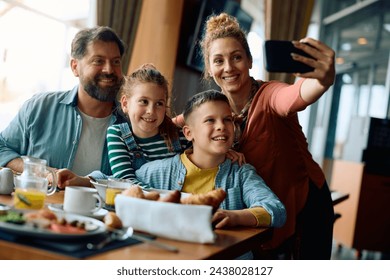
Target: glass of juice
{"x": 115, "y": 186}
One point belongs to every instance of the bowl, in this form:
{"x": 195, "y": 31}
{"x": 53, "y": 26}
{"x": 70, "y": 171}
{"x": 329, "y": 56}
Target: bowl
{"x": 101, "y": 186}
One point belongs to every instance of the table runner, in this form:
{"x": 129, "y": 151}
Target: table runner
{"x": 72, "y": 248}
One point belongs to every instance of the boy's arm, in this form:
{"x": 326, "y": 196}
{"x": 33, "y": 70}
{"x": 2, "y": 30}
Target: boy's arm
{"x": 255, "y": 193}
{"x": 261, "y": 215}
{"x": 253, "y": 217}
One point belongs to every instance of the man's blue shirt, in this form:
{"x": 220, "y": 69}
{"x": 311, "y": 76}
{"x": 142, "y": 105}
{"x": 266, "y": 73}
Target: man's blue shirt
{"x": 48, "y": 126}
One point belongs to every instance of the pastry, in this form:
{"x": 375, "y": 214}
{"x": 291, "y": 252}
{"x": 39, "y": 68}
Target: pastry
{"x": 153, "y": 195}
{"x": 173, "y": 196}
{"x": 134, "y": 191}
{"x": 111, "y": 220}
{"x": 212, "y": 198}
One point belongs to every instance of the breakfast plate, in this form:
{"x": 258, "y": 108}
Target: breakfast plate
{"x": 99, "y": 215}
{"x": 93, "y": 228}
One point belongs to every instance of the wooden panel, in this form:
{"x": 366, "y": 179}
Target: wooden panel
{"x": 158, "y": 36}
{"x": 346, "y": 178}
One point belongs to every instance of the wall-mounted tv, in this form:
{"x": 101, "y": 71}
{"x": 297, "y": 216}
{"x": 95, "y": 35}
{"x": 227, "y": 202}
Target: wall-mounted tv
{"x": 207, "y": 8}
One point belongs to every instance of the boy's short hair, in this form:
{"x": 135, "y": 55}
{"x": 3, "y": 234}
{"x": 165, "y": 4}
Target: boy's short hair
{"x": 201, "y": 98}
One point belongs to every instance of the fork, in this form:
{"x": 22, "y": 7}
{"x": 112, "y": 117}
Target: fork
{"x": 113, "y": 236}
{"x": 123, "y": 235}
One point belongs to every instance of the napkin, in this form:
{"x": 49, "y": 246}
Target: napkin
{"x": 182, "y": 222}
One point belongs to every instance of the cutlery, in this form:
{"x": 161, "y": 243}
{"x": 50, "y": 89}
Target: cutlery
{"x": 110, "y": 238}
{"x": 123, "y": 235}
{"x": 152, "y": 242}
{"x": 4, "y": 208}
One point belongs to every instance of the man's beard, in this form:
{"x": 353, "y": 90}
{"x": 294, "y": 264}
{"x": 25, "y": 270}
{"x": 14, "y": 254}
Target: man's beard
{"x": 106, "y": 94}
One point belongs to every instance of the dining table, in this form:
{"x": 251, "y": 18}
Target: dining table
{"x": 230, "y": 243}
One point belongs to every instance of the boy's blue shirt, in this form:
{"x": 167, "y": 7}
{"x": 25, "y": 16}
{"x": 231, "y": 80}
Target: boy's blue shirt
{"x": 243, "y": 186}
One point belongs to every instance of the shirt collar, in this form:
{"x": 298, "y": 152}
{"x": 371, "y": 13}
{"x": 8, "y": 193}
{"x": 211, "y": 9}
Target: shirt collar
{"x": 71, "y": 98}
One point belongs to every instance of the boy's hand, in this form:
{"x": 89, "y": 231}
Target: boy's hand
{"x": 236, "y": 156}
{"x": 231, "y": 218}
{"x": 225, "y": 218}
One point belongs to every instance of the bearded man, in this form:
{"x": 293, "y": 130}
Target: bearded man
{"x": 68, "y": 128}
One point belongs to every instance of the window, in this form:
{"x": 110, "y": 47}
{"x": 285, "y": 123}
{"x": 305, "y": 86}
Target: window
{"x": 35, "y": 49}
{"x": 361, "y": 40}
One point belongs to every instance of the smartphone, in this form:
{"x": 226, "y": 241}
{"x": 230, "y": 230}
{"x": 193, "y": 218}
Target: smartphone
{"x": 278, "y": 57}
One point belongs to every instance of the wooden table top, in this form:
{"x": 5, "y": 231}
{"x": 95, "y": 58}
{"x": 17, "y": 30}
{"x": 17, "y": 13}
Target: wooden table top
{"x": 230, "y": 244}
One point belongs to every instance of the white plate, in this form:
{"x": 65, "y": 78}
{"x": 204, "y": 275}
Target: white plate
{"x": 58, "y": 208}
{"x": 96, "y": 228}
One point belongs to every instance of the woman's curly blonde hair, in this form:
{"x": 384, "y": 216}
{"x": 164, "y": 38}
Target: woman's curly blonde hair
{"x": 217, "y": 27}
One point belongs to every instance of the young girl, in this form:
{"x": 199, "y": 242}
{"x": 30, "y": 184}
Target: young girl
{"x": 149, "y": 133}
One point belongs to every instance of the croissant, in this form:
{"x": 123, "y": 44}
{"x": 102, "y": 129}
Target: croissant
{"x": 153, "y": 195}
{"x": 173, "y": 196}
{"x": 212, "y": 198}
{"x": 112, "y": 221}
{"x": 134, "y": 191}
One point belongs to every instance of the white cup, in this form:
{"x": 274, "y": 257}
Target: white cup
{"x": 6, "y": 181}
{"x": 82, "y": 200}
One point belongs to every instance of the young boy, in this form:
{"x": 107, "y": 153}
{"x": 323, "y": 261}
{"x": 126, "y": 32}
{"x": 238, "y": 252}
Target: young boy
{"x": 209, "y": 125}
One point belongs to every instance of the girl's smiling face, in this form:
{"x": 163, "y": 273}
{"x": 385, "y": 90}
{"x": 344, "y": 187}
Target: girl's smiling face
{"x": 145, "y": 107}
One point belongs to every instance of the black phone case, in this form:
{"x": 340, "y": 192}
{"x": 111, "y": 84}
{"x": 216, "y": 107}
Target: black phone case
{"x": 278, "y": 57}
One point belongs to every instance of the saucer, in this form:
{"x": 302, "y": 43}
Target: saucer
{"x": 99, "y": 215}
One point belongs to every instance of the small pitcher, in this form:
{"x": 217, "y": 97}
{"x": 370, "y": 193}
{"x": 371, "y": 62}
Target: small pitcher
{"x": 32, "y": 186}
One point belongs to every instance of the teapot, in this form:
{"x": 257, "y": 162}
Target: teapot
{"x": 6, "y": 181}
{"x": 32, "y": 186}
